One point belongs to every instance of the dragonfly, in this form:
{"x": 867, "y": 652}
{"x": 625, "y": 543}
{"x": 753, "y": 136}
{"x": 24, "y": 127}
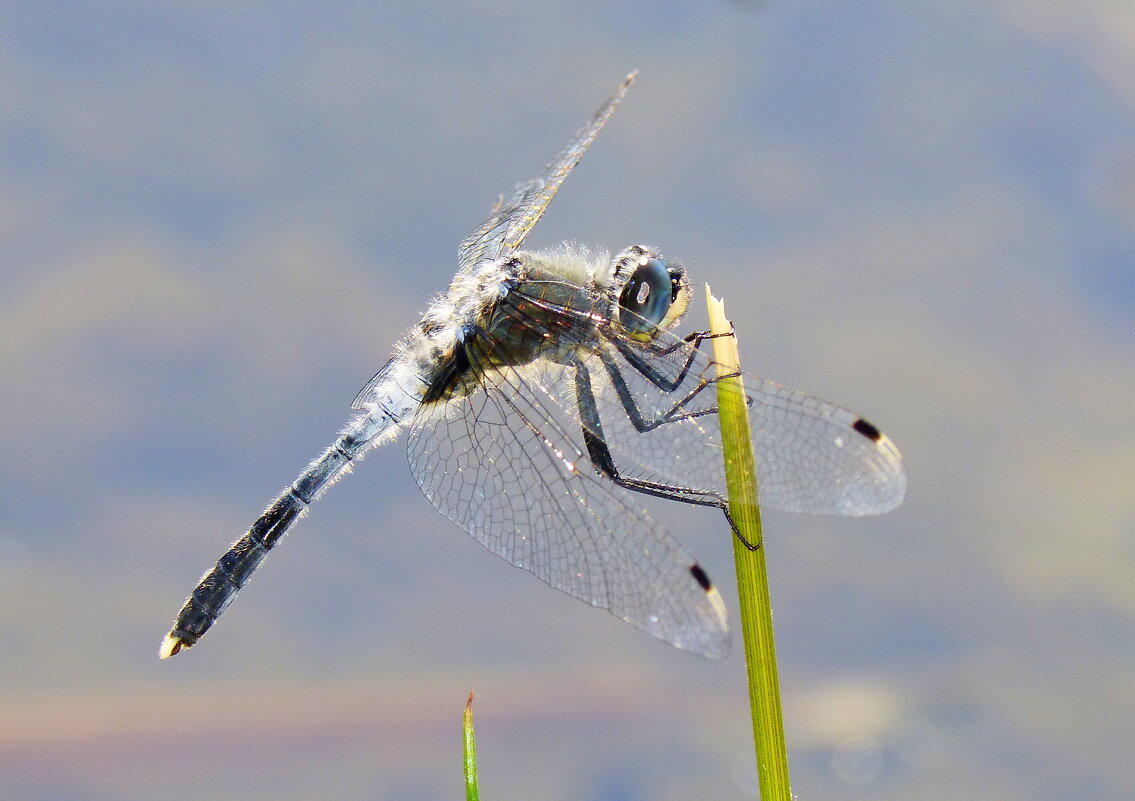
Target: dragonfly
{"x": 543, "y": 395}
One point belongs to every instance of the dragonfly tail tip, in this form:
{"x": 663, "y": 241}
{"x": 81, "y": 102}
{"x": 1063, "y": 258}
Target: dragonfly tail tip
{"x": 170, "y": 646}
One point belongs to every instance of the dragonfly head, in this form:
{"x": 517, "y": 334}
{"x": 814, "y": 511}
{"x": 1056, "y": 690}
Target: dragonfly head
{"x": 652, "y": 293}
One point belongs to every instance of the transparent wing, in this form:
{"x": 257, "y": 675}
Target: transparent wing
{"x": 812, "y": 456}
{"x": 509, "y": 224}
{"x": 369, "y": 392}
{"x": 501, "y": 467}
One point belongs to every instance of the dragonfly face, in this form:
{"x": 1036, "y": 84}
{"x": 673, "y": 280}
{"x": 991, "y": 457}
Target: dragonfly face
{"x": 543, "y": 394}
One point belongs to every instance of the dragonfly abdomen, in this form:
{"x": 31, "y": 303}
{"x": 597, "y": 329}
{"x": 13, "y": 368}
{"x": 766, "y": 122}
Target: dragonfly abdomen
{"x": 217, "y": 588}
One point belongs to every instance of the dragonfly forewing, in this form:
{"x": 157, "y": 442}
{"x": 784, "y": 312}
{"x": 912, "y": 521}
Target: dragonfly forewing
{"x": 509, "y": 224}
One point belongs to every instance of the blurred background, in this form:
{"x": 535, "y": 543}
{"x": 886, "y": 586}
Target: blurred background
{"x": 217, "y": 218}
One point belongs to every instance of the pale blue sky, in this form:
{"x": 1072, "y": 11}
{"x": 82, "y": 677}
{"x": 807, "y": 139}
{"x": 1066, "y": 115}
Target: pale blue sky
{"x": 216, "y": 219}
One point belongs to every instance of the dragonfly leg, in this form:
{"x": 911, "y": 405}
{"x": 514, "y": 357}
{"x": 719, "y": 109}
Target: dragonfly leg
{"x": 651, "y": 374}
{"x": 676, "y": 413}
{"x": 604, "y": 463}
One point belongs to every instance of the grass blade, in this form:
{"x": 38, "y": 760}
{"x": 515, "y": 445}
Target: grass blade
{"x": 469, "y": 751}
{"x": 752, "y": 576}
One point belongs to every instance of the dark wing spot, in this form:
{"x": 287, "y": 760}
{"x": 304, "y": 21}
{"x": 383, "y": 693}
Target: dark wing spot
{"x": 700, "y": 577}
{"x": 867, "y": 430}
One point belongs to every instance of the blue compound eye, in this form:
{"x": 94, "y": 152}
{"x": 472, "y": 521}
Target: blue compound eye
{"x": 648, "y": 294}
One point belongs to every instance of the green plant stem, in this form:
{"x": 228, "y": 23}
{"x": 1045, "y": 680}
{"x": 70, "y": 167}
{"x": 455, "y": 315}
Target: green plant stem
{"x": 469, "y": 752}
{"x": 752, "y": 577}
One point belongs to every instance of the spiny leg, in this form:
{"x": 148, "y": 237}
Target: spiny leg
{"x": 635, "y": 359}
{"x": 601, "y": 458}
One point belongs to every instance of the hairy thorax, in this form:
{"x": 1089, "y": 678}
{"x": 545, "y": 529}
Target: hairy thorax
{"x": 507, "y": 314}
